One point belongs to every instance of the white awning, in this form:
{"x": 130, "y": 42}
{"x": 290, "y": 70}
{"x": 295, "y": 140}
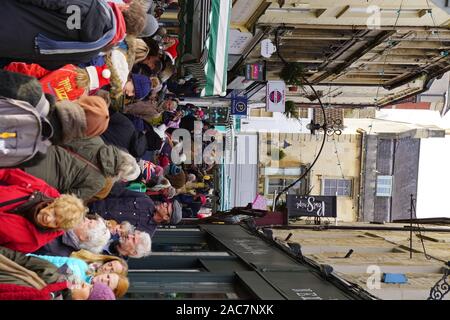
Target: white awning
{"x": 216, "y": 65}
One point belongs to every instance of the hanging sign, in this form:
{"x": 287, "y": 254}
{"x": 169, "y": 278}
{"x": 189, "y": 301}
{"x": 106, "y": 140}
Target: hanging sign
{"x": 311, "y": 206}
{"x": 239, "y": 106}
{"x": 276, "y": 96}
{"x": 255, "y": 72}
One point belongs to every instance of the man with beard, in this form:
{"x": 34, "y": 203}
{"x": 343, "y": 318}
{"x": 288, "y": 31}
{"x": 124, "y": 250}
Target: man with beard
{"x": 135, "y": 245}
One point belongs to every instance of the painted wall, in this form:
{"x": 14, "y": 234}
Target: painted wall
{"x": 434, "y": 175}
{"x": 302, "y": 151}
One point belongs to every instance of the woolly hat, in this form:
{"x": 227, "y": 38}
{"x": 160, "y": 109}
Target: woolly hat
{"x": 177, "y": 213}
{"x": 151, "y": 26}
{"x": 98, "y": 77}
{"x": 101, "y": 291}
{"x": 142, "y": 85}
{"x": 97, "y": 114}
{"x": 172, "y": 170}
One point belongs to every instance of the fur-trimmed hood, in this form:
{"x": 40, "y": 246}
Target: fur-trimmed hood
{"x": 73, "y": 120}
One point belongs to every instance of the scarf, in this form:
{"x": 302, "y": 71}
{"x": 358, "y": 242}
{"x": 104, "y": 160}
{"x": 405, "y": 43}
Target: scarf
{"x": 121, "y": 28}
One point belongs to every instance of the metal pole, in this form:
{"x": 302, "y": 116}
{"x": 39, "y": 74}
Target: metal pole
{"x": 274, "y": 202}
{"x": 410, "y": 225}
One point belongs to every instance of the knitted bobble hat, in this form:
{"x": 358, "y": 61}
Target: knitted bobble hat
{"x": 101, "y": 291}
{"x": 98, "y": 77}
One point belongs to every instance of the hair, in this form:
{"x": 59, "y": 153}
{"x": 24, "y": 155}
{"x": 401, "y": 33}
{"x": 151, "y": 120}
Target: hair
{"x": 90, "y": 257}
{"x": 144, "y": 247}
{"x": 82, "y": 78}
{"x": 172, "y": 192}
{"x": 128, "y": 167}
{"x": 135, "y": 18}
{"x": 105, "y": 95}
{"x": 167, "y": 73}
{"x": 70, "y": 210}
{"x": 161, "y": 31}
{"x": 98, "y": 237}
{"x": 152, "y": 45}
{"x": 127, "y": 226}
{"x": 164, "y": 183}
{"x": 175, "y": 105}
{"x": 122, "y": 286}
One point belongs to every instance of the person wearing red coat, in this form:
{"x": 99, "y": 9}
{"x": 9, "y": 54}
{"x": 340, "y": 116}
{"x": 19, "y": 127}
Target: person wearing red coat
{"x": 17, "y": 232}
{"x": 10, "y": 291}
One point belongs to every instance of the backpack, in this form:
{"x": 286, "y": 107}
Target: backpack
{"x": 24, "y": 131}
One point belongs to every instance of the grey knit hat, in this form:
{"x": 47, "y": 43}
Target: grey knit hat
{"x": 151, "y": 26}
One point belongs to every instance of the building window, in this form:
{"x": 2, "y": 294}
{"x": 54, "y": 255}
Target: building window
{"x": 337, "y": 187}
{"x": 384, "y": 186}
{"x": 278, "y": 184}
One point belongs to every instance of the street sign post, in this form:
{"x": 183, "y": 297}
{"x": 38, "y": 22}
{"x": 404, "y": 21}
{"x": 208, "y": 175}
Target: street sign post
{"x": 239, "y": 105}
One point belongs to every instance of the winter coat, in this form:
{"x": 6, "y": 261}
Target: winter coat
{"x": 154, "y": 141}
{"x": 78, "y": 267}
{"x": 188, "y": 123}
{"x": 15, "y": 183}
{"x": 28, "y": 278}
{"x": 68, "y": 173}
{"x": 125, "y": 205}
{"x": 121, "y": 133}
{"x": 105, "y": 157}
{"x": 16, "y": 232}
{"x": 62, "y": 246}
{"x": 31, "y": 29}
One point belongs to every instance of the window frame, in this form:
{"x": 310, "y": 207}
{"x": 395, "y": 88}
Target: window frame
{"x": 337, "y": 187}
{"x": 384, "y": 186}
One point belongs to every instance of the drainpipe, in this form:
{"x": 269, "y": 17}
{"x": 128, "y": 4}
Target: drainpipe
{"x": 362, "y": 179}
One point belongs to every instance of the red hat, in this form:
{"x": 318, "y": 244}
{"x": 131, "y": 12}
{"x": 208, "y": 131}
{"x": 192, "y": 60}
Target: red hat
{"x": 98, "y": 77}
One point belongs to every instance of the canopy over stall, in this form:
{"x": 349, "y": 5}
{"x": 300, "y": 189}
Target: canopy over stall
{"x": 204, "y": 43}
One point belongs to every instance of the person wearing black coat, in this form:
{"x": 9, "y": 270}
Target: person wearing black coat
{"x": 31, "y": 30}
{"x": 154, "y": 140}
{"x": 188, "y": 123}
{"x": 122, "y": 133}
{"x": 136, "y": 208}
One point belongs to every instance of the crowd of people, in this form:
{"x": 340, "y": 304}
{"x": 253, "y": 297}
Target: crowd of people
{"x": 90, "y": 159}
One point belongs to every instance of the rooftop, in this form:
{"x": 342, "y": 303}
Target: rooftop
{"x": 376, "y": 250}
